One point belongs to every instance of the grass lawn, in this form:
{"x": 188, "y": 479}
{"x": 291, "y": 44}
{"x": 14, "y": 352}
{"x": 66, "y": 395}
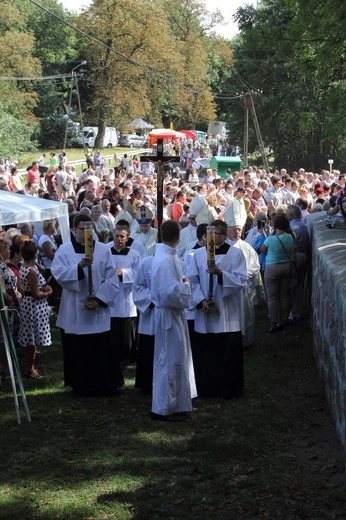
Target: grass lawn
{"x": 271, "y": 454}
{"x": 73, "y": 154}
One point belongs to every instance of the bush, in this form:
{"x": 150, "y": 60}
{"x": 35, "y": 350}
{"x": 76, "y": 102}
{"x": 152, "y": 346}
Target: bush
{"x": 16, "y": 136}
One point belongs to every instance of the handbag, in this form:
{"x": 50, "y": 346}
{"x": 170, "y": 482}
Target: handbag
{"x": 65, "y": 186}
{"x": 294, "y": 270}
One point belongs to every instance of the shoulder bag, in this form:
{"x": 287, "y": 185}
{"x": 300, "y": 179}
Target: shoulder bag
{"x": 294, "y": 270}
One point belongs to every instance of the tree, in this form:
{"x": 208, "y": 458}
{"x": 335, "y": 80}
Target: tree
{"x": 56, "y": 45}
{"x": 17, "y": 60}
{"x": 129, "y": 74}
{"x": 278, "y": 54}
{"x": 15, "y": 134}
{"x": 192, "y": 25}
{"x": 52, "y": 132}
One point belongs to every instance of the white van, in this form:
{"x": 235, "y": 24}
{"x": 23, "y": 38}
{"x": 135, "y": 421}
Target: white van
{"x": 90, "y": 132}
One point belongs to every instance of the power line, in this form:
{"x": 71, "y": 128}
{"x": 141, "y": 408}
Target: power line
{"x": 36, "y": 78}
{"x": 100, "y": 42}
{"x": 241, "y": 80}
{"x": 126, "y": 58}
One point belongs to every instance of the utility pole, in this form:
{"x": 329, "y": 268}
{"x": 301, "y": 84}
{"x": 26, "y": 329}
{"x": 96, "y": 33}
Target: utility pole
{"x": 246, "y": 128}
{"x": 249, "y": 104}
{"x": 68, "y": 113}
{"x": 80, "y": 111}
{"x": 74, "y": 79}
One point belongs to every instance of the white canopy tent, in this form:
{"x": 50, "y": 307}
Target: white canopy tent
{"x": 140, "y": 123}
{"x": 15, "y": 209}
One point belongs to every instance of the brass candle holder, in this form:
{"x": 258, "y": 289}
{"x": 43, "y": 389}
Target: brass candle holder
{"x": 211, "y": 256}
{"x": 91, "y": 304}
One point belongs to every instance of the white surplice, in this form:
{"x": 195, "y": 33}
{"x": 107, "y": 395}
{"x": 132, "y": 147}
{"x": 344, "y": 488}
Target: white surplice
{"x": 249, "y": 293}
{"x": 73, "y": 318}
{"x": 123, "y": 306}
{"x": 227, "y": 296}
{"x": 141, "y": 292}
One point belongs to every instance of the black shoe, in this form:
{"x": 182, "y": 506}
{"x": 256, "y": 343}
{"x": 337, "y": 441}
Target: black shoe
{"x": 179, "y": 417}
{"x": 274, "y": 329}
{"x": 158, "y": 417}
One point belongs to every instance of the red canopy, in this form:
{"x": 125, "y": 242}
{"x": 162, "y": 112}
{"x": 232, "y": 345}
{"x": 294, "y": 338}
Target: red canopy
{"x": 190, "y": 134}
{"x": 165, "y": 134}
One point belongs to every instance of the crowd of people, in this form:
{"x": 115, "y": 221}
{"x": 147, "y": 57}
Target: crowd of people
{"x": 182, "y": 320}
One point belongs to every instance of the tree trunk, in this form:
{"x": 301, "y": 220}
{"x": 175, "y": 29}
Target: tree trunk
{"x": 101, "y": 129}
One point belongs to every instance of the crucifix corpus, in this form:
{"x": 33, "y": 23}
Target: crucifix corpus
{"x": 160, "y": 160}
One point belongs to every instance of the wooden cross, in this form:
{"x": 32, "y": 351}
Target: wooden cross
{"x": 160, "y": 160}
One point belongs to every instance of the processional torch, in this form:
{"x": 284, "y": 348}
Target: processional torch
{"x": 212, "y": 309}
{"x": 91, "y": 303}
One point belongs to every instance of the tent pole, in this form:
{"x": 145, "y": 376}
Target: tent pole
{"x": 10, "y": 369}
{"x": 12, "y": 360}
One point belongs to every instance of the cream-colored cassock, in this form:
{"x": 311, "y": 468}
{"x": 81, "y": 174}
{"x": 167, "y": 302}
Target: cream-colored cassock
{"x": 187, "y": 235}
{"x": 147, "y": 239}
{"x": 248, "y": 295}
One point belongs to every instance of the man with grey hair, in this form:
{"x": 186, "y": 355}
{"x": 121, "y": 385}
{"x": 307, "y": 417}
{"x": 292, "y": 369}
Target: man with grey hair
{"x": 302, "y": 247}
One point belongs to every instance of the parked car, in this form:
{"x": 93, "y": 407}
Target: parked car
{"x": 202, "y": 165}
{"x": 132, "y": 140}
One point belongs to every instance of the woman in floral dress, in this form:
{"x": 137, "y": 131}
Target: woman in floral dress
{"x": 34, "y": 328}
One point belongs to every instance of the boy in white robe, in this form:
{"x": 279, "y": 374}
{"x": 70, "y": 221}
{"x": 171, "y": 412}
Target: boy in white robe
{"x": 173, "y": 379}
{"x": 123, "y": 310}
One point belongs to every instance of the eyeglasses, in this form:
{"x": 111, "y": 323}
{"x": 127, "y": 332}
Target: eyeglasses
{"x": 217, "y": 233}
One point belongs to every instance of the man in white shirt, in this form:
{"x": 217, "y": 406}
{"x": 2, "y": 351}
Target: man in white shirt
{"x": 275, "y": 198}
{"x": 236, "y": 209}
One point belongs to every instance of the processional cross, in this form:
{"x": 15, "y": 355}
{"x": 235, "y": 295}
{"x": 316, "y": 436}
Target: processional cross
{"x": 160, "y": 159}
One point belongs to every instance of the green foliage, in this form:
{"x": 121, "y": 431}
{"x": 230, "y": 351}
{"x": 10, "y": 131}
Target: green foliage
{"x": 56, "y": 46}
{"x": 15, "y": 134}
{"x": 52, "y": 133}
{"x": 17, "y": 60}
{"x": 51, "y": 98}
{"x": 55, "y": 42}
{"x": 294, "y": 58}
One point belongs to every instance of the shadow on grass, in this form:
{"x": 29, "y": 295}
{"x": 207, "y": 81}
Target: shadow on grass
{"x": 270, "y": 454}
